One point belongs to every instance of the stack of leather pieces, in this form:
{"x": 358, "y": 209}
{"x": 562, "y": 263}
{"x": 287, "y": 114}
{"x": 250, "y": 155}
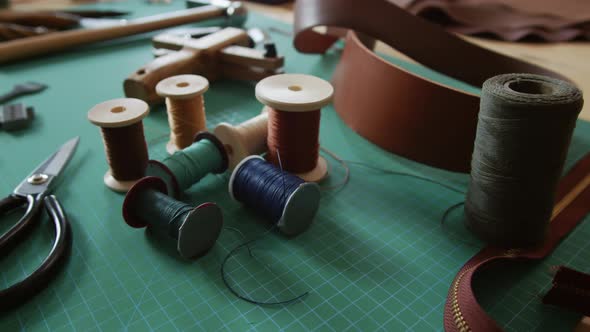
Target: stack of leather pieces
{"x": 404, "y": 113}
{"x": 539, "y": 20}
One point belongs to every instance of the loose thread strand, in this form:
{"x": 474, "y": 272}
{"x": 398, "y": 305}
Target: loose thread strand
{"x": 224, "y": 275}
{"x": 346, "y": 178}
{"x": 247, "y": 245}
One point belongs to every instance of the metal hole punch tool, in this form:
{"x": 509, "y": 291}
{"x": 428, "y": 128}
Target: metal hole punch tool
{"x": 32, "y": 193}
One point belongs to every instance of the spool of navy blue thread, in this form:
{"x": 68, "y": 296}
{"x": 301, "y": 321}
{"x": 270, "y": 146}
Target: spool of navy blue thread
{"x": 283, "y": 198}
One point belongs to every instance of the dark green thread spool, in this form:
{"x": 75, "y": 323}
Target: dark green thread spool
{"x": 189, "y": 165}
{"x": 195, "y": 228}
{"x": 523, "y": 133}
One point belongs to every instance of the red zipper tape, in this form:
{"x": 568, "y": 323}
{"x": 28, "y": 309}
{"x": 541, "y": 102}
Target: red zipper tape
{"x": 462, "y": 311}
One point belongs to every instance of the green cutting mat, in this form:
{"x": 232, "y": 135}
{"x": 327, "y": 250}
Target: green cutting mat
{"x": 375, "y": 258}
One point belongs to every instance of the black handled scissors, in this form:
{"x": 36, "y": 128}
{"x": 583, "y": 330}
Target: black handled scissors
{"x": 32, "y": 193}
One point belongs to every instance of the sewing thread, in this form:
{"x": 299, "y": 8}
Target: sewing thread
{"x": 193, "y": 163}
{"x": 294, "y": 102}
{"x": 188, "y": 166}
{"x": 295, "y": 135}
{"x": 264, "y": 188}
{"x": 126, "y": 151}
{"x": 524, "y": 129}
{"x": 120, "y": 122}
{"x": 195, "y": 228}
{"x": 186, "y": 108}
{"x": 186, "y": 118}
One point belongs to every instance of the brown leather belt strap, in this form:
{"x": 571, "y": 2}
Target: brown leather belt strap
{"x": 570, "y": 290}
{"x": 462, "y": 312}
{"x": 398, "y": 110}
{"x": 422, "y": 41}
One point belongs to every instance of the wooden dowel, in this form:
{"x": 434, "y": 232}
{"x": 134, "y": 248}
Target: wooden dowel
{"x": 32, "y": 46}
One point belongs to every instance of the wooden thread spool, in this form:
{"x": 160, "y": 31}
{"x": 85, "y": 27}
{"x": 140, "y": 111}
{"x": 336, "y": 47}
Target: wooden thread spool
{"x": 124, "y": 141}
{"x": 186, "y": 108}
{"x": 197, "y": 159}
{"x": 294, "y": 102}
{"x": 247, "y": 138}
{"x": 260, "y": 185}
{"x": 195, "y": 228}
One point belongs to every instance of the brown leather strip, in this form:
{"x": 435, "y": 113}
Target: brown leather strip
{"x": 398, "y": 110}
{"x": 462, "y": 312}
{"x": 570, "y": 290}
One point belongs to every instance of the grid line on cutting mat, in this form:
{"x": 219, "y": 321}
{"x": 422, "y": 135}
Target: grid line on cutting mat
{"x": 376, "y": 257}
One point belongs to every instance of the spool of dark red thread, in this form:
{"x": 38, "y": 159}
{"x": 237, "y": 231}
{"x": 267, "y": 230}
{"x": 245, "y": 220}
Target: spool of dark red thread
{"x": 120, "y": 121}
{"x": 294, "y": 103}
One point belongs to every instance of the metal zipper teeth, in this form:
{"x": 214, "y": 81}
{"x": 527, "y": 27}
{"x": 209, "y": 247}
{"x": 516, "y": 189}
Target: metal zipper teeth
{"x": 458, "y": 317}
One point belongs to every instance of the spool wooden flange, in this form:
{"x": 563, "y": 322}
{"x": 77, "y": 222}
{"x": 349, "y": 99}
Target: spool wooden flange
{"x": 116, "y": 113}
{"x": 234, "y": 140}
{"x": 181, "y": 87}
{"x": 300, "y": 209}
{"x": 198, "y": 231}
{"x": 297, "y": 93}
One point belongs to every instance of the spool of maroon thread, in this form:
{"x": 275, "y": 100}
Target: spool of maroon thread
{"x": 120, "y": 121}
{"x": 294, "y": 103}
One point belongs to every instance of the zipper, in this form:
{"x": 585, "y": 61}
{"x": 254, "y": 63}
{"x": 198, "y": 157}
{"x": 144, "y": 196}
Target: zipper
{"x": 458, "y": 317}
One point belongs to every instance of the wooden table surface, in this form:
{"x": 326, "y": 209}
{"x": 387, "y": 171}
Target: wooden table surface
{"x": 570, "y": 59}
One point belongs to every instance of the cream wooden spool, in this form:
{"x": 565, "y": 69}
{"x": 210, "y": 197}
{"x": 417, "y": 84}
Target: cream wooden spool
{"x": 297, "y": 93}
{"x": 183, "y": 87}
{"x": 116, "y": 113}
{"x": 247, "y": 138}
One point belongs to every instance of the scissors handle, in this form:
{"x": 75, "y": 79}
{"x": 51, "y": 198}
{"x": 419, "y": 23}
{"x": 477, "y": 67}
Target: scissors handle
{"x": 25, "y": 224}
{"x": 38, "y": 280}
{"x": 10, "y": 203}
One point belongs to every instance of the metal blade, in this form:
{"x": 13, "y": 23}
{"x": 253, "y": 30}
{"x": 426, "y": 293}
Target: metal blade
{"x": 41, "y": 178}
{"x": 60, "y": 158}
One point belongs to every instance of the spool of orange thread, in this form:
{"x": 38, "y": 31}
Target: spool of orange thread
{"x": 186, "y": 108}
{"x": 247, "y": 138}
{"x": 294, "y": 102}
{"x": 124, "y": 141}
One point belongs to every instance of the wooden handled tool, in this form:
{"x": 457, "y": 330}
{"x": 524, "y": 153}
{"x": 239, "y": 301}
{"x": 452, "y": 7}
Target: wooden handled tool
{"x": 220, "y": 54}
{"x": 32, "y": 46}
{"x": 52, "y": 20}
{"x": 9, "y": 31}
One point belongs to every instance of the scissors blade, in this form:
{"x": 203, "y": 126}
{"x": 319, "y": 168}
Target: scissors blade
{"x": 40, "y": 179}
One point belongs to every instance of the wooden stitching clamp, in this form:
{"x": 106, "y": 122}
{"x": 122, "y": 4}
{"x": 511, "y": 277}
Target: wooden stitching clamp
{"x": 223, "y": 53}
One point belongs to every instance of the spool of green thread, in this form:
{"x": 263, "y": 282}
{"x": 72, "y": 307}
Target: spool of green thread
{"x": 524, "y": 129}
{"x": 194, "y": 228}
{"x": 188, "y": 166}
